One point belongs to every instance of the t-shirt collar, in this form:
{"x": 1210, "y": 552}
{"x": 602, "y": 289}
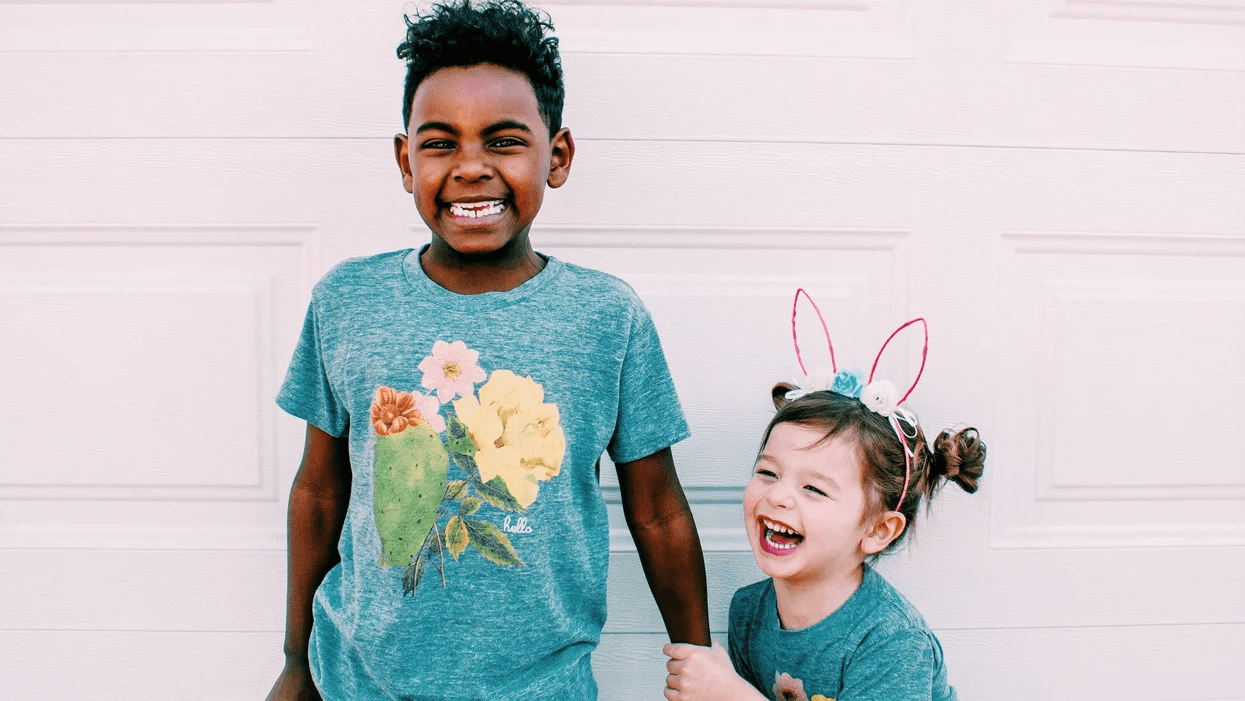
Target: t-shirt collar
{"x": 425, "y": 287}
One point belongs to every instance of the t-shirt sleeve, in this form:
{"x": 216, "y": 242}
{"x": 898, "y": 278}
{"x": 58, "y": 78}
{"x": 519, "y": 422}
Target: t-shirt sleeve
{"x": 306, "y": 392}
{"x": 900, "y": 666}
{"x": 649, "y": 415}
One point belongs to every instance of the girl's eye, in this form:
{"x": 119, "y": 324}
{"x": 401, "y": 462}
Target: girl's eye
{"x": 815, "y": 490}
{"x": 764, "y": 472}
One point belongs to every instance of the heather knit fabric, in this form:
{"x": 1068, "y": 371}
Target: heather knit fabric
{"x": 476, "y": 423}
{"x": 875, "y": 646}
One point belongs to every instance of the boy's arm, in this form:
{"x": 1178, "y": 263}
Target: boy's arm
{"x": 665, "y": 536}
{"x": 318, "y": 500}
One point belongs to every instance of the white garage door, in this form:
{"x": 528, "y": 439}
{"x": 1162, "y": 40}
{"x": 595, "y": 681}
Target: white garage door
{"x": 1058, "y": 185}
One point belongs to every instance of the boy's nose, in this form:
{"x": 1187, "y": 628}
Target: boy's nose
{"x": 471, "y": 165}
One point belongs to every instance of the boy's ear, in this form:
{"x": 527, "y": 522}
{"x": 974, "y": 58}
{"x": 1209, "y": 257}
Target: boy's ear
{"x": 561, "y": 153}
{"x": 887, "y": 529}
{"x": 400, "y": 152}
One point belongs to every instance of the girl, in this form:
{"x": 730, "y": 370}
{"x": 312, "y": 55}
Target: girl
{"x": 840, "y": 476}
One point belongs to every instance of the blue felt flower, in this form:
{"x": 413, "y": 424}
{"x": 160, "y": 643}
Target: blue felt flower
{"x": 849, "y": 383}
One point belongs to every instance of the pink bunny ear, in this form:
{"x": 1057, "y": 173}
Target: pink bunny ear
{"x": 795, "y": 340}
{"x": 924, "y": 353}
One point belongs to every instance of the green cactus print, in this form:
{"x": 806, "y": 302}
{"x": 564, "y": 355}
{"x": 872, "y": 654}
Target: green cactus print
{"x": 411, "y": 470}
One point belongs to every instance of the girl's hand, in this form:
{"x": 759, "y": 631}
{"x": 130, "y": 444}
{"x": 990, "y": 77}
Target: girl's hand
{"x": 700, "y": 673}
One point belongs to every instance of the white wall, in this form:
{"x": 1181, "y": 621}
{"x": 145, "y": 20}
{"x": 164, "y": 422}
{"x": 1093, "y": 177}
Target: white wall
{"x": 1059, "y": 186}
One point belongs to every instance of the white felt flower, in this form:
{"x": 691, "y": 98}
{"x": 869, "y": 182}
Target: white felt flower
{"x": 821, "y": 378}
{"x": 881, "y": 397}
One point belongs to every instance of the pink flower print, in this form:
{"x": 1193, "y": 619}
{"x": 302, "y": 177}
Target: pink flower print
{"x": 788, "y": 688}
{"x": 451, "y": 370}
{"x": 430, "y": 411}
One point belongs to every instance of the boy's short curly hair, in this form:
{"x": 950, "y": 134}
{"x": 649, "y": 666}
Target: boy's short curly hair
{"x": 502, "y": 32}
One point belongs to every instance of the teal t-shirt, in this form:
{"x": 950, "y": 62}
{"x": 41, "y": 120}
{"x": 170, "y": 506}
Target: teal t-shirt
{"x": 475, "y": 548}
{"x": 875, "y": 646}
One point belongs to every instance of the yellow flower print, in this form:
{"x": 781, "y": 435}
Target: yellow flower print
{"x": 517, "y": 435}
{"x": 819, "y": 697}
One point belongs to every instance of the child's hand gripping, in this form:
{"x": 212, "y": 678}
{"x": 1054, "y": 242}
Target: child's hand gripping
{"x": 700, "y": 673}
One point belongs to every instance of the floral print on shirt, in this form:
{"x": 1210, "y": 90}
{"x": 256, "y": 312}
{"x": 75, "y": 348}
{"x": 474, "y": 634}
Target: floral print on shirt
{"x": 505, "y": 438}
{"x": 788, "y": 688}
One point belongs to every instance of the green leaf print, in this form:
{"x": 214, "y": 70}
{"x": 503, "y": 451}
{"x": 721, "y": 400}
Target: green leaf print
{"x": 459, "y": 439}
{"x": 470, "y": 505}
{"x": 412, "y": 575}
{"x": 409, "y": 482}
{"x": 456, "y": 537}
{"x": 496, "y": 493}
{"x": 489, "y": 541}
{"x": 456, "y": 489}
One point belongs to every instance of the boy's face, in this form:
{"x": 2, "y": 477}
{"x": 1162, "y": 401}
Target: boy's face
{"x": 478, "y": 156}
{"x": 804, "y": 507}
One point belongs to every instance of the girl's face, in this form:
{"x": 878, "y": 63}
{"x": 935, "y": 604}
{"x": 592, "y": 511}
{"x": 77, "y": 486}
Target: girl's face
{"x": 804, "y": 508}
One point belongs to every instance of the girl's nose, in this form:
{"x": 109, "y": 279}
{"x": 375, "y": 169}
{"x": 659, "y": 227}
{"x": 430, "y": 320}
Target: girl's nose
{"x": 781, "y": 495}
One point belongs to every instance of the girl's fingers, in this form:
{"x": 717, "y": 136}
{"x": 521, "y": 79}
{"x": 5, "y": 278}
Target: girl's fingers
{"x": 678, "y": 651}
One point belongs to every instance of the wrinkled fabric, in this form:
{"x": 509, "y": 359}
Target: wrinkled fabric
{"x": 572, "y": 369}
{"x": 875, "y": 646}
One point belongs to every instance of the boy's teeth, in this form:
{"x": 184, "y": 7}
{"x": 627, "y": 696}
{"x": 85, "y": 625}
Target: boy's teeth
{"x": 475, "y": 210}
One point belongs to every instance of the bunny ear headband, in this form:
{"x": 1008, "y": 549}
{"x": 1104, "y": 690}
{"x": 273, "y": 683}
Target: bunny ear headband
{"x": 879, "y": 396}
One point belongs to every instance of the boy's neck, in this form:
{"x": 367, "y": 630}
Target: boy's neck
{"x": 500, "y": 271}
{"x": 804, "y": 603}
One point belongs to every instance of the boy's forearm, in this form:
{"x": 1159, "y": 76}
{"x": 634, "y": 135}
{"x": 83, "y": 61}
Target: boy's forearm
{"x": 315, "y": 525}
{"x": 318, "y": 501}
{"x": 675, "y": 568}
{"x": 665, "y": 535}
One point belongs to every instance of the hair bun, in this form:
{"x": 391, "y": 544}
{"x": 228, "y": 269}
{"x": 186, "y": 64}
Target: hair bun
{"x": 779, "y": 394}
{"x": 960, "y": 457}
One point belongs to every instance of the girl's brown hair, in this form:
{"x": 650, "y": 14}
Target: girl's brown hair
{"x": 957, "y": 456}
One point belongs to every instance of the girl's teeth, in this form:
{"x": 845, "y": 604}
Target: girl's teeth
{"x": 778, "y": 527}
{"x": 477, "y": 210}
{"x": 779, "y": 546}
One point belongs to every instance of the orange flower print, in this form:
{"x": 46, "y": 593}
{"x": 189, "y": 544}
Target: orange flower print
{"x": 394, "y": 411}
{"x": 788, "y": 688}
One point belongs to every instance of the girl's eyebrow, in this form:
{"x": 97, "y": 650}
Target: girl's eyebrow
{"x": 828, "y": 480}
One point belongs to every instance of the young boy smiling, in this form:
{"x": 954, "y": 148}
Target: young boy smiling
{"x": 448, "y": 539}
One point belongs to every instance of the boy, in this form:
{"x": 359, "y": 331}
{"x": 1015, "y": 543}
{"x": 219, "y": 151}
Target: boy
{"x": 457, "y": 400}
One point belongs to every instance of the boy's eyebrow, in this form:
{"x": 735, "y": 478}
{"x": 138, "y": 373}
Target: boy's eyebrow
{"x": 505, "y": 124}
{"x": 493, "y": 128}
{"x": 438, "y": 126}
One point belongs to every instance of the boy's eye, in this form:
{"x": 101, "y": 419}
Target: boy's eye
{"x": 437, "y": 144}
{"x": 507, "y": 142}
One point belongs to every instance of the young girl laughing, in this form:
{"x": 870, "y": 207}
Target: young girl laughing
{"x": 842, "y": 471}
